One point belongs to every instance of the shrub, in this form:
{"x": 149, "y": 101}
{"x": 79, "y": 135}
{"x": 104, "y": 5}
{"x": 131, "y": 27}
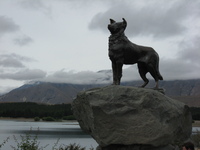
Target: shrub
{"x": 27, "y": 142}
{"x": 71, "y": 117}
{"x": 71, "y": 147}
{"x": 48, "y": 119}
{"x": 36, "y": 119}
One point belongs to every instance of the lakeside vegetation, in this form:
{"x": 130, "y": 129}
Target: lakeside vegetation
{"x": 29, "y": 142}
{"x": 37, "y": 111}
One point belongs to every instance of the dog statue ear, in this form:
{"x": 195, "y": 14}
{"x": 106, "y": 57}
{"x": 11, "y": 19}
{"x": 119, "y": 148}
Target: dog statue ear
{"x": 124, "y": 21}
{"x": 112, "y": 21}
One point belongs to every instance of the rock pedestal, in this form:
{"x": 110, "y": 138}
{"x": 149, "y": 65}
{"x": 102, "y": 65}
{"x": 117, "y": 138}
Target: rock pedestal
{"x": 131, "y": 118}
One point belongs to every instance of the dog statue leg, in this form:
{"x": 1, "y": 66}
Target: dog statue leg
{"x": 114, "y": 70}
{"x": 145, "y": 83}
{"x": 156, "y": 87}
{"x": 143, "y": 71}
{"x": 119, "y": 72}
{"x": 154, "y": 74}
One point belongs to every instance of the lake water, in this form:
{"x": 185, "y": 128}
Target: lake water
{"x": 47, "y": 132}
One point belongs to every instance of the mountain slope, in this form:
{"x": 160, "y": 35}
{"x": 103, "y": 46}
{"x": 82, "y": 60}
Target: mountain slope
{"x": 50, "y": 93}
{"x": 187, "y": 91}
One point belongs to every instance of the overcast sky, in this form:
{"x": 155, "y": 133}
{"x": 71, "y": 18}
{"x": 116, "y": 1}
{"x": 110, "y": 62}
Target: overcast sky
{"x": 67, "y": 40}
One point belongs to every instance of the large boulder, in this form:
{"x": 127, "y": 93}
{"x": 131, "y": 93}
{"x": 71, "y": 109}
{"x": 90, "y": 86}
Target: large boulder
{"x": 119, "y": 115}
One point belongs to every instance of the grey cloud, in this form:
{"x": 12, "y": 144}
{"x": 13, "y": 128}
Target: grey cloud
{"x": 6, "y": 89}
{"x": 83, "y": 77}
{"x": 25, "y": 74}
{"x": 90, "y": 77}
{"x": 13, "y": 60}
{"x": 164, "y": 20}
{"x": 170, "y": 69}
{"x": 36, "y": 5}
{"x": 190, "y": 50}
{"x": 23, "y": 40}
{"x": 131, "y": 73}
{"x": 187, "y": 63}
{"x": 173, "y": 69}
{"x": 7, "y": 25}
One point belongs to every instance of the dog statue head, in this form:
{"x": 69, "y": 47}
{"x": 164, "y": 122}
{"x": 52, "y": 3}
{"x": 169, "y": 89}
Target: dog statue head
{"x": 117, "y": 27}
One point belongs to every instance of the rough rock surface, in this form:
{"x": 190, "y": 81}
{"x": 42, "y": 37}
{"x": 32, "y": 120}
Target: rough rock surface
{"x": 118, "y": 115}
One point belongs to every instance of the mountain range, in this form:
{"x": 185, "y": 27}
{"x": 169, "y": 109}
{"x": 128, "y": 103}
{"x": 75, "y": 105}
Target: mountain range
{"x": 187, "y": 91}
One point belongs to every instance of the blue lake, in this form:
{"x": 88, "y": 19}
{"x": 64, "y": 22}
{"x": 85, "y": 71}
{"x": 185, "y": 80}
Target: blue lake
{"x": 48, "y": 133}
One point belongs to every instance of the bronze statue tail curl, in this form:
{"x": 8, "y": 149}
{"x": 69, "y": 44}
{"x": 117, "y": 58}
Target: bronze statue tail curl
{"x": 160, "y": 76}
{"x": 158, "y": 73}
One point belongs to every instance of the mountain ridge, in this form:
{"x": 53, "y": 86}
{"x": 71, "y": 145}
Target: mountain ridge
{"x": 187, "y": 91}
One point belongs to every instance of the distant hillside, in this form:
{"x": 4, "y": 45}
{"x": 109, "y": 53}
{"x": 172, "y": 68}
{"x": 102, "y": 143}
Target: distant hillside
{"x": 175, "y": 88}
{"x": 43, "y": 92}
{"x": 187, "y": 91}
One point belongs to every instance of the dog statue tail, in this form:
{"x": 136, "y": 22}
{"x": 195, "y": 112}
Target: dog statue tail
{"x": 158, "y": 73}
{"x": 160, "y": 76}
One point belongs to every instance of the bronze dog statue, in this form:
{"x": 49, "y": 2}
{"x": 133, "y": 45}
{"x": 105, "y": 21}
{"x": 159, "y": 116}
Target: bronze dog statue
{"x": 122, "y": 51}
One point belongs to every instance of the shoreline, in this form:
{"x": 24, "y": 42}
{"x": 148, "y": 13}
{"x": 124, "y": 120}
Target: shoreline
{"x": 17, "y": 119}
{"x": 196, "y": 123}
{"x": 31, "y": 120}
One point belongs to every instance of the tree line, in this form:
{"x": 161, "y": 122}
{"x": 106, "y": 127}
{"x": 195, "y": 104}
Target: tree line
{"x": 31, "y": 110}
{"x": 57, "y": 111}
{"x": 195, "y": 113}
